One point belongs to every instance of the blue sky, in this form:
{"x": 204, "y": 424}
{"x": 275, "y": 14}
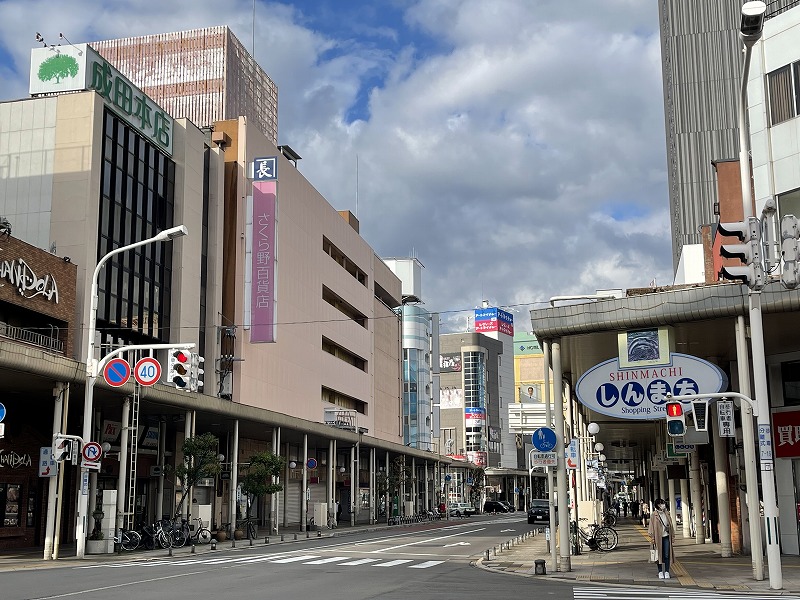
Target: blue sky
{"x": 516, "y": 147}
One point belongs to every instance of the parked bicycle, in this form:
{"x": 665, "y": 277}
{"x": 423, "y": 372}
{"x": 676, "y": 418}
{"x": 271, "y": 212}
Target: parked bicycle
{"x": 249, "y": 528}
{"x": 609, "y": 518}
{"x": 598, "y": 537}
{"x": 128, "y": 539}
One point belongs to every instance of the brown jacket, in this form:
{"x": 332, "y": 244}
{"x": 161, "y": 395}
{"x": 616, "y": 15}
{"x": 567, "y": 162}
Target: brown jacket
{"x": 658, "y": 519}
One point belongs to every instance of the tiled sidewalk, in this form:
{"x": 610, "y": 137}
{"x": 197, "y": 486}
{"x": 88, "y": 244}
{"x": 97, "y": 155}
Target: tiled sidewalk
{"x": 698, "y": 566}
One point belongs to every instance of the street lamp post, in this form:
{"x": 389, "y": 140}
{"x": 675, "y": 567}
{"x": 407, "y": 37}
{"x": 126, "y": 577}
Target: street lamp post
{"x": 92, "y": 369}
{"x": 752, "y": 27}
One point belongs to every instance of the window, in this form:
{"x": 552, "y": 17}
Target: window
{"x": 789, "y": 204}
{"x": 784, "y": 99}
{"x": 790, "y": 374}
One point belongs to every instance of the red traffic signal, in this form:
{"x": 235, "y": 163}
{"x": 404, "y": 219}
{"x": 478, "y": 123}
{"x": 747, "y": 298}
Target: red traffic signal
{"x": 676, "y": 420}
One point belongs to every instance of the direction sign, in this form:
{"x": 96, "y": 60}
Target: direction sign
{"x": 48, "y": 467}
{"x": 147, "y": 371}
{"x": 117, "y": 372}
{"x": 544, "y": 439}
{"x": 92, "y": 452}
{"x": 2, "y": 412}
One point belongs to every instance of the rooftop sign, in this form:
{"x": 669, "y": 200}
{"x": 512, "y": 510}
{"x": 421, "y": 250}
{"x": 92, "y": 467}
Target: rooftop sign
{"x": 76, "y": 68}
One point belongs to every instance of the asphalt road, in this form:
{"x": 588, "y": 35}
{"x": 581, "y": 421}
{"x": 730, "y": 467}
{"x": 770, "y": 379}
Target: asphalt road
{"x": 426, "y": 562}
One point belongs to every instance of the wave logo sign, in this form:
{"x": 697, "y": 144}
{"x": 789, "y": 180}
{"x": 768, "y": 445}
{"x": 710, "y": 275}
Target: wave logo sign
{"x": 641, "y": 393}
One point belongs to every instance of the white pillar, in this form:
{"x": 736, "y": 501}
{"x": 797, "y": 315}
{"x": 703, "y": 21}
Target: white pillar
{"x": 234, "y": 479}
{"x": 565, "y": 561}
{"x": 303, "y": 500}
{"x": 60, "y": 504}
{"x": 52, "y": 482}
{"x": 753, "y": 515}
{"x": 723, "y": 498}
{"x": 685, "y": 513}
{"x": 694, "y": 481}
{"x": 122, "y": 478}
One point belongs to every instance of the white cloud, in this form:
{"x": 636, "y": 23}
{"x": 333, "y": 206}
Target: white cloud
{"x": 499, "y": 157}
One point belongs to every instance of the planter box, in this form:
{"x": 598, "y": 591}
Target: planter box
{"x": 96, "y": 547}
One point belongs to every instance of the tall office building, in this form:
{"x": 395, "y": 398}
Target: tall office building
{"x": 204, "y": 75}
{"x": 701, "y": 67}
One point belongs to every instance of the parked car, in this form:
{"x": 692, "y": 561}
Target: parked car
{"x": 539, "y": 512}
{"x": 508, "y": 505}
{"x": 461, "y": 509}
{"x": 494, "y": 506}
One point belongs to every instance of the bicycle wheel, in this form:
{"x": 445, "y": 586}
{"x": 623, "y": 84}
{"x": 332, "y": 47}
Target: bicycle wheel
{"x": 251, "y": 531}
{"x": 130, "y": 540}
{"x": 177, "y": 536}
{"x": 606, "y": 538}
{"x": 610, "y": 520}
{"x": 164, "y": 539}
{"x": 203, "y": 536}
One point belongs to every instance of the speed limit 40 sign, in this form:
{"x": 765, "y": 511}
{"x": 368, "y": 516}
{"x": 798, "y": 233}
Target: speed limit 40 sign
{"x": 147, "y": 371}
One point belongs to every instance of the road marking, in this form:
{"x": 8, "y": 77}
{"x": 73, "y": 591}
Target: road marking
{"x": 323, "y": 561}
{"x": 427, "y": 564}
{"x": 444, "y": 537}
{"x": 393, "y": 563}
{"x": 362, "y": 561}
{"x": 457, "y": 544}
{"x": 294, "y": 559}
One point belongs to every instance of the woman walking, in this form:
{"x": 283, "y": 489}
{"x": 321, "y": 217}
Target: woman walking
{"x": 661, "y": 532}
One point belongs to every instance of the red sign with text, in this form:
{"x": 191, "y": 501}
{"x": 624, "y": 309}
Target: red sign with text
{"x": 786, "y": 434}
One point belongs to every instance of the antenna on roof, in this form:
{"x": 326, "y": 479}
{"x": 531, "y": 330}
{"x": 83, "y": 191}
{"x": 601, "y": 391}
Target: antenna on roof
{"x": 61, "y": 36}
{"x": 40, "y": 38}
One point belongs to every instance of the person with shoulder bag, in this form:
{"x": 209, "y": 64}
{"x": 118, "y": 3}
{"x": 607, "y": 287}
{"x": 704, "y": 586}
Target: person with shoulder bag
{"x": 661, "y": 532}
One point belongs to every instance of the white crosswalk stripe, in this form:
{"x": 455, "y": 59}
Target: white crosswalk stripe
{"x": 360, "y": 561}
{"x": 664, "y": 593}
{"x": 275, "y": 559}
{"x": 426, "y": 564}
{"x": 394, "y": 563}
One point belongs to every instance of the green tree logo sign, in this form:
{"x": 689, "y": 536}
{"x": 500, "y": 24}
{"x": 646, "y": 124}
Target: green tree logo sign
{"x": 58, "y": 67}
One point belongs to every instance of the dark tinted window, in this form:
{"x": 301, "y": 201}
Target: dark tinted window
{"x": 539, "y": 504}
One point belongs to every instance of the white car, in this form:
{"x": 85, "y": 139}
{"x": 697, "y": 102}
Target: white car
{"x": 461, "y": 509}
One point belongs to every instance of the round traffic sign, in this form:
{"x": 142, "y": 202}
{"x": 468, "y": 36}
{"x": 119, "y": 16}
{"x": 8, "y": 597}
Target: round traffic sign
{"x": 2, "y": 412}
{"x": 147, "y": 371}
{"x": 312, "y": 463}
{"x": 544, "y": 439}
{"x": 117, "y": 372}
{"x": 92, "y": 451}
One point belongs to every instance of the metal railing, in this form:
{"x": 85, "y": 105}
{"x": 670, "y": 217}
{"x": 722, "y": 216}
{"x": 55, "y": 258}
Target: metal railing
{"x": 31, "y": 337}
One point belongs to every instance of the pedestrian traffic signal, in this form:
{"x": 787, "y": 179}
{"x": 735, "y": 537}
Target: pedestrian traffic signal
{"x": 62, "y": 448}
{"x": 749, "y": 252}
{"x": 676, "y": 420}
{"x": 178, "y": 368}
{"x": 790, "y": 276}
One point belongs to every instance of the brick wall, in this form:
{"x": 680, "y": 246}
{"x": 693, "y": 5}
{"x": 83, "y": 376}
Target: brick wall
{"x": 33, "y": 279}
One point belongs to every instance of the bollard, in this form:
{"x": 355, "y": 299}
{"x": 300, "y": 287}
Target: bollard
{"x": 266, "y": 539}
{"x": 487, "y": 554}
{"x": 213, "y": 543}
{"x": 193, "y": 550}
{"x": 308, "y": 534}
{"x": 319, "y": 533}
{"x": 170, "y": 551}
{"x": 281, "y": 537}
{"x": 251, "y": 541}
{"x": 539, "y": 567}
{"x": 295, "y": 537}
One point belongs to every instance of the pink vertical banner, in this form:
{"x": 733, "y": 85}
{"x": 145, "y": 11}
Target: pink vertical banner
{"x": 262, "y": 281}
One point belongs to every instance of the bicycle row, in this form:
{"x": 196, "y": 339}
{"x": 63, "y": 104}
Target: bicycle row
{"x": 164, "y": 534}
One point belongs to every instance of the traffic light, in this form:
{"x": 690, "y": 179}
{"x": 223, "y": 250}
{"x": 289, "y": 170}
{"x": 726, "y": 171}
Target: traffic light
{"x": 699, "y": 413}
{"x": 790, "y": 277}
{"x": 750, "y": 252}
{"x": 195, "y": 372}
{"x": 62, "y": 448}
{"x": 676, "y": 420}
{"x": 178, "y": 368}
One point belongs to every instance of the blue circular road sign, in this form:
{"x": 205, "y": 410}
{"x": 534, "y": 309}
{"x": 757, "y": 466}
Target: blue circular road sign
{"x": 544, "y": 439}
{"x": 2, "y": 412}
{"x": 312, "y": 463}
{"x": 117, "y": 372}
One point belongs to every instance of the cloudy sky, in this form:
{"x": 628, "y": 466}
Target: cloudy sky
{"x": 515, "y": 147}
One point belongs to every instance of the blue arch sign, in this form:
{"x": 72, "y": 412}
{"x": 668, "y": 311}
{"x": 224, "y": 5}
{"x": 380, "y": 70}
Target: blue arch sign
{"x": 641, "y": 393}
{"x": 544, "y": 439}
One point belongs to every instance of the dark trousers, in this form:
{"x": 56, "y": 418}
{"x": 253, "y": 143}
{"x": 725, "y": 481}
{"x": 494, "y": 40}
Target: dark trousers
{"x": 664, "y": 555}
